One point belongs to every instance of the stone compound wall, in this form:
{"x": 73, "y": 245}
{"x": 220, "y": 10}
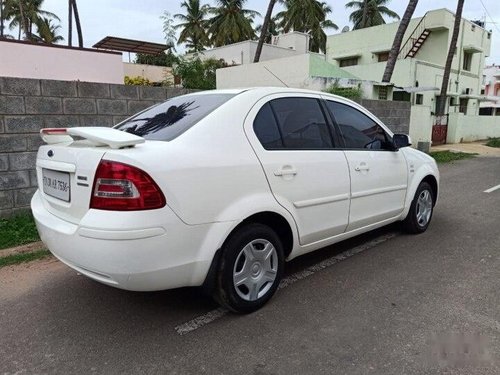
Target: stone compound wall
{"x": 396, "y": 115}
{"x": 27, "y": 105}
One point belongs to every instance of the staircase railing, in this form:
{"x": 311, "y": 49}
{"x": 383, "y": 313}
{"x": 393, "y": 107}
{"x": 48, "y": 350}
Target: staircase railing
{"x": 410, "y": 42}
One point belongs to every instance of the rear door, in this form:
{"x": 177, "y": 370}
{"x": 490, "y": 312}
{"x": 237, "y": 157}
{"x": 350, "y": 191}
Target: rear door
{"x": 307, "y": 175}
{"x": 378, "y": 175}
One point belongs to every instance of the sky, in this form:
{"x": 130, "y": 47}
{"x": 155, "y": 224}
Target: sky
{"x": 140, "y": 19}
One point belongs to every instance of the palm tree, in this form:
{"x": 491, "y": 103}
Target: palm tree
{"x": 2, "y": 19}
{"x": 272, "y": 30}
{"x": 308, "y": 16}
{"x": 398, "y": 39}
{"x": 24, "y": 14}
{"x": 369, "y": 13}
{"x": 70, "y": 23}
{"x": 47, "y": 31}
{"x": 194, "y": 25}
{"x": 73, "y": 9}
{"x": 78, "y": 25}
{"x": 263, "y": 32}
{"x": 441, "y": 99}
{"x": 231, "y": 23}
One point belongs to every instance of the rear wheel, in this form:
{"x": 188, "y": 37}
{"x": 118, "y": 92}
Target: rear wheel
{"x": 250, "y": 269}
{"x": 422, "y": 206}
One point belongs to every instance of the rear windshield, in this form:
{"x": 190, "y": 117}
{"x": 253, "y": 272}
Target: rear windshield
{"x": 166, "y": 121}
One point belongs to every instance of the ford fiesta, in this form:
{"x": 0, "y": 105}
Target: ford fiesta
{"x": 220, "y": 188}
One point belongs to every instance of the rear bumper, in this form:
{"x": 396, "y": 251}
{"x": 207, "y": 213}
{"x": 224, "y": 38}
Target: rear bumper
{"x": 113, "y": 248}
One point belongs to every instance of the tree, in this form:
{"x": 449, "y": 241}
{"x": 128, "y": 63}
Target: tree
{"x": 398, "y": 39}
{"x": 2, "y": 19}
{"x": 231, "y": 23}
{"x": 47, "y": 32}
{"x": 78, "y": 24}
{"x": 318, "y": 35}
{"x": 163, "y": 59}
{"x": 272, "y": 30}
{"x": 169, "y": 30}
{"x": 70, "y": 23}
{"x": 264, "y": 29}
{"x": 198, "y": 74}
{"x": 307, "y": 16}
{"x": 441, "y": 99}
{"x": 24, "y": 14}
{"x": 73, "y": 9}
{"x": 193, "y": 26}
{"x": 369, "y": 13}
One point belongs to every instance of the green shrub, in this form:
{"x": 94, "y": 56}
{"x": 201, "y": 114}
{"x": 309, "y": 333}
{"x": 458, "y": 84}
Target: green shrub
{"x": 493, "y": 142}
{"x": 198, "y": 74}
{"x": 138, "y": 81}
{"x": 353, "y": 93}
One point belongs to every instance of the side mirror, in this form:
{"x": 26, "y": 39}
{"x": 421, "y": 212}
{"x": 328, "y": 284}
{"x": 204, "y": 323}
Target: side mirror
{"x": 401, "y": 140}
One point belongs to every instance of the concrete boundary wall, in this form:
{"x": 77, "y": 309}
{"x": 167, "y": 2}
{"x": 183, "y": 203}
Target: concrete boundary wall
{"x": 462, "y": 128}
{"x": 27, "y": 105}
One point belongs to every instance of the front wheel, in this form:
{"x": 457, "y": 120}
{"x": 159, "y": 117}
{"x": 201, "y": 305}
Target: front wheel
{"x": 250, "y": 268}
{"x": 422, "y": 206}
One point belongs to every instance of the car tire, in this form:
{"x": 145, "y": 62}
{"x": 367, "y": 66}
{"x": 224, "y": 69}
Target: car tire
{"x": 250, "y": 268}
{"x": 421, "y": 209}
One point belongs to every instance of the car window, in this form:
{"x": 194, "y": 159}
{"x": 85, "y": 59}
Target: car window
{"x": 168, "y": 120}
{"x": 301, "y": 123}
{"x": 358, "y": 130}
{"x": 266, "y": 129}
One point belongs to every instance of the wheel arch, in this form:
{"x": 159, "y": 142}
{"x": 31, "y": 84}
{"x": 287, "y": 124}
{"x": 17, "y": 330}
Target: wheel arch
{"x": 432, "y": 181}
{"x": 424, "y": 173}
{"x": 274, "y": 220}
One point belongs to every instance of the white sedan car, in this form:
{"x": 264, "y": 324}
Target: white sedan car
{"x": 219, "y": 188}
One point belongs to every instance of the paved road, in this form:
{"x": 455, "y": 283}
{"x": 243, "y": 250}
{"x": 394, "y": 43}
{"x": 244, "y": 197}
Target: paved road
{"x": 400, "y": 305}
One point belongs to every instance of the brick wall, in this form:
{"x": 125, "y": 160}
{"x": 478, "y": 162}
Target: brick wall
{"x": 27, "y": 105}
{"x": 394, "y": 114}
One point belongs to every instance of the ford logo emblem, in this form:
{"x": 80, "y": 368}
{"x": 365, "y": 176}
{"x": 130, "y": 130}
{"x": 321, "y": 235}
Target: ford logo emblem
{"x": 50, "y": 153}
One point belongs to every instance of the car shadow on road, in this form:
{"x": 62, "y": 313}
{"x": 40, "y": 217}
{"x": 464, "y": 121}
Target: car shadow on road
{"x": 74, "y": 297}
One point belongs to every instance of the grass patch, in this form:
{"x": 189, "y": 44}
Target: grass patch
{"x": 448, "y": 156}
{"x": 18, "y": 230}
{"x": 22, "y": 258}
{"x": 493, "y": 142}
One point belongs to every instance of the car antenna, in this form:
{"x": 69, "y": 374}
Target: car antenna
{"x": 278, "y": 78}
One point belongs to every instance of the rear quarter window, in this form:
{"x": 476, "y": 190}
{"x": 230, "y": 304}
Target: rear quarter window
{"x": 168, "y": 120}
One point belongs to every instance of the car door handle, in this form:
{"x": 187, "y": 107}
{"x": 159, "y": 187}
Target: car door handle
{"x": 362, "y": 167}
{"x": 286, "y": 172}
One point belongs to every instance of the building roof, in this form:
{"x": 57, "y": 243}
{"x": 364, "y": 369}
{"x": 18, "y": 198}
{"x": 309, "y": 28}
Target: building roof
{"x": 319, "y": 67}
{"x": 130, "y": 45}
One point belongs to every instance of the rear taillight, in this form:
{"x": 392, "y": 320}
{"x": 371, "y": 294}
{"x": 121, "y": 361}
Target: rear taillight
{"x": 122, "y": 187}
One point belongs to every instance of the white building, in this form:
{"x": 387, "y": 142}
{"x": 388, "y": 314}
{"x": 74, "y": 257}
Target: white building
{"x": 285, "y": 45}
{"x": 491, "y": 89}
{"x": 419, "y": 69}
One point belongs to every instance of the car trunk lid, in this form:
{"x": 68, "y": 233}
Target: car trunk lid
{"x": 66, "y": 167}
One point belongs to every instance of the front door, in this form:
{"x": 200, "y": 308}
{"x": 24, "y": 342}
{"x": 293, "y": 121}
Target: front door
{"x": 307, "y": 175}
{"x": 378, "y": 176}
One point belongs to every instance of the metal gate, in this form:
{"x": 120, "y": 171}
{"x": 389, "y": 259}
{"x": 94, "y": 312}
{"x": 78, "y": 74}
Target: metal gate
{"x": 440, "y": 130}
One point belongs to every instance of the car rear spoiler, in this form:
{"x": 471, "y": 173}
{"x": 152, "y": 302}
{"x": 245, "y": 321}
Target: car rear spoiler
{"x": 100, "y": 136}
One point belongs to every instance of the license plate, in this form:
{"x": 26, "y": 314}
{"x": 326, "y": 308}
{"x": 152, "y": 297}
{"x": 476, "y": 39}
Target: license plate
{"x": 56, "y": 184}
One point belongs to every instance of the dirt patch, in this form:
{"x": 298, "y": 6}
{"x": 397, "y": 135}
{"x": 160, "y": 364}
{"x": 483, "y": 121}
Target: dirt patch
{"x": 28, "y": 248}
{"x": 19, "y": 279}
{"x": 473, "y": 147}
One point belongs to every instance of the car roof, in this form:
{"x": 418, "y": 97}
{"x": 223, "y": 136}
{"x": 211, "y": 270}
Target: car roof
{"x": 269, "y": 90}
